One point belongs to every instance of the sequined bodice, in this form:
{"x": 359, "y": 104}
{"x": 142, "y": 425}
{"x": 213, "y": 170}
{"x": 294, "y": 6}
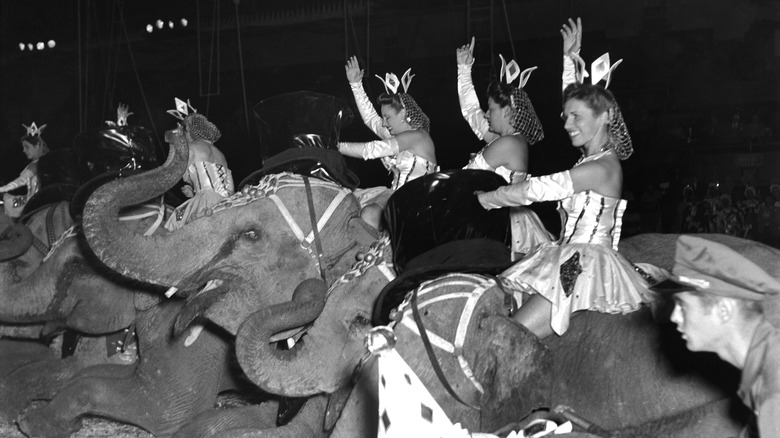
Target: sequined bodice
{"x": 407, "y": 166}
{"x": 589, "y": 217}
{"x": 205, "y": 175}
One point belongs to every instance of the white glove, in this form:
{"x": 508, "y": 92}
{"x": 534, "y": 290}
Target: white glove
{"x": 569, "y": 72}
{"x": 370, "y": 150}
{"x": 22, "y": 181}
{"x": 367, "y": 111}
{"x": 469, "y": 102}
{"x": 541, "y": 188}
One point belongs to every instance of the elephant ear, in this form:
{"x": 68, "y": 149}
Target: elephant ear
{"x": 513, "y": 367}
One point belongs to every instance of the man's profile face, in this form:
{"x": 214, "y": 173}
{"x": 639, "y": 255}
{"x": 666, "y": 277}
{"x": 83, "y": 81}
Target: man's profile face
{"x": 696, "y": 321}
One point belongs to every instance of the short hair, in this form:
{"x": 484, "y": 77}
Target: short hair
{"x": 394, "y": 100}
{"x": 36, "y": 140}
{"x": 596, "y": 97}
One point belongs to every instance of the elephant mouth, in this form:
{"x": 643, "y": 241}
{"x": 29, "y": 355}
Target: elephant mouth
{"x": 197, "y": 304}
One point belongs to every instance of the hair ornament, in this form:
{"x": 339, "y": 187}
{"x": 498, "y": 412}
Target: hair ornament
{"x": 600, "y": 69}
{"x": 391, "y": 81}
{"x": 512, "y": 70}
{"x": 182, "y": 109}
{"x": 33, "y": 130}
{"x": 122, "y": 113}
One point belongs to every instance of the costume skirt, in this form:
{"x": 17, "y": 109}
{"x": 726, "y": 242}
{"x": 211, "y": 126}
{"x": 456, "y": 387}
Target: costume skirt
{"x": 527, "y": 231}
{"x": 193, "y": 208}
{"x": 578, "y": 276}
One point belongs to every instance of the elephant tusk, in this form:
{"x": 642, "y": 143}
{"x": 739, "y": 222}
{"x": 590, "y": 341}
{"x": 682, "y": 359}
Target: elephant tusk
{"x": 195, "y": 331}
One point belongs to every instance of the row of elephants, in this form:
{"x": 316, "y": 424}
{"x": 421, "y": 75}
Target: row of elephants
{"x": 269, "y": 273}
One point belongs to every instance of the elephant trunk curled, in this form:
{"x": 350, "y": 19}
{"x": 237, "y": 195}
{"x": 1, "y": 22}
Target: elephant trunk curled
{"x": 135, "y": 256}
{"x": 301, "y": 374}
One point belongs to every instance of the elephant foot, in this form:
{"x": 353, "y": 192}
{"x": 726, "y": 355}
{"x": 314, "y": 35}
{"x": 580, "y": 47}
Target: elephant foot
{"x": 40, "y": 422}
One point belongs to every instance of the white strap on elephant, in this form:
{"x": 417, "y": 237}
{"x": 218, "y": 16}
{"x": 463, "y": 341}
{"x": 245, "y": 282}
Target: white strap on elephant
{"x": 469, "y": 287}
{"x": 271, "y": 184}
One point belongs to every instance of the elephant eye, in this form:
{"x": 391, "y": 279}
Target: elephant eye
{"x": 362, "y": 320}
{"x": 252, "y": 235}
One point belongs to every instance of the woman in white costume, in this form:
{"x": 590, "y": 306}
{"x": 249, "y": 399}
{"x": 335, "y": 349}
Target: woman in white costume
{"x": 583, "y": 271}
{"x": 207, "y": 177}
{"x": 34, "y": 147}
{"x": 508, "y": 127}
{"x": 404, "y": 146}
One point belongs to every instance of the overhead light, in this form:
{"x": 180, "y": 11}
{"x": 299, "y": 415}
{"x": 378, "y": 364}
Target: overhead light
{"x": 170, "y": 24}
{"x": 51, "y": 44}
{"x": 22, "y": 47}
{"x": 159, "y": 24}
{"x": 149, "y": 28}
{"x": 29, "y": 46}
{"x": 184, "y": 22}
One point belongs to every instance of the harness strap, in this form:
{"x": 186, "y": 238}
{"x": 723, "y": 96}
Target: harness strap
{"x": 314, "y": 228}
{"x": 50, "y": 226}
{"x": 431, "y": 355}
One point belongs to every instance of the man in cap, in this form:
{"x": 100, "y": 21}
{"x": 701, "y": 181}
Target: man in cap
{"x": 722, "y": 305}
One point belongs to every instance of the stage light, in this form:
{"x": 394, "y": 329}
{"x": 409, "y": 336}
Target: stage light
{"x": 21, "y": 47}
{"x": 39, "y": 46}
{"x": 184, "y": 22}
{"x": 51, "y": 44}
{"x": 149, "y": 28}
{"x": 159, "y": 24}
{"x": 170, "y": 24}
{"x": 29, "y": 46}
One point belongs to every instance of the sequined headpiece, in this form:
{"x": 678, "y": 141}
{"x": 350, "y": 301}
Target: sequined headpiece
{"x": 414, "y": 114}
{"x": 524, "y": 118}
{"x": 199, "y": 127}
{"x": 33, "y": 130}
{"x": 600, "y": 70}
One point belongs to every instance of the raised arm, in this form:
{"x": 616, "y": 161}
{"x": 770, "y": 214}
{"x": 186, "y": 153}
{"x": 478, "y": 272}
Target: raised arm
{"x": 469, "y": 102}
{"x": 571, "y": 33}
{"x": 367, "y": 112}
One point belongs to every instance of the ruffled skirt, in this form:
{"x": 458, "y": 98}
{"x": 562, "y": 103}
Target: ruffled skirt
{"x": 579, "y": 277}
{"x": 193, "y": 208}
{"x": 528, "y": 232}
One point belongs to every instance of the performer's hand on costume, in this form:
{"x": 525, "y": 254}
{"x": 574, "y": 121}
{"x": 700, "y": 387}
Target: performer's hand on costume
{"x": 465, "y": 53}
{"x": 354, "y": 72}
{"x": 187, "y": 190}
{"x": 572, "y": 37}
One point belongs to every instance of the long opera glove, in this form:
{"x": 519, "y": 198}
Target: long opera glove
{"x": 469, "y": 102}
{"x": 540, "y": 188}
{"x": 367, "y": 111}
{"x": 569, "y": 72}
{"x": 23, "y": 180}
{"x": 370, "y": 150}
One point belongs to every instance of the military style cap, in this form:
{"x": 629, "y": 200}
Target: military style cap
{"x": 707, "y": 266}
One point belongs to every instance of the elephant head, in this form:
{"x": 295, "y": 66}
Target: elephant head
{"x": 465, "y": 316}
{"x": 258, "y": 243}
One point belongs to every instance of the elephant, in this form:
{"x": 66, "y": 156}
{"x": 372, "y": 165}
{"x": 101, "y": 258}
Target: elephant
{"x": 629, "y": 374}
{"x": 253, "y": 250}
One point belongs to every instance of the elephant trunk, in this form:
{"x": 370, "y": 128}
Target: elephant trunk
{"x": 293, "y": 373}
{"x": 135, "y": 256}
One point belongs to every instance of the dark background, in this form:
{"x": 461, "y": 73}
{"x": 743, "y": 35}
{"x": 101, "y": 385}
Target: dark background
{"x": 699, "y": 84}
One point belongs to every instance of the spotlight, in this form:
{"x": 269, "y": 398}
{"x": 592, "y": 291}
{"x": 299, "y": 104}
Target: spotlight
{"x": 149, "y": 28}
{"x": 159, "y": 24}
{"x": 51, "y": 44}
{"x": 184, "y": 22}
{"x": 29, "y": 46}
{"x": 170, "y": 24}
{"x": 22, "y": 47}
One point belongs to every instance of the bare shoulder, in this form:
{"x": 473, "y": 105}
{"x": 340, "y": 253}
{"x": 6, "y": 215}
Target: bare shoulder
{"x": 202, "y": 151}
{"x": 510, "y": 151}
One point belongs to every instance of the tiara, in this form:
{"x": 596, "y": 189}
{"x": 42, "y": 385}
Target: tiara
{"x": 33, "y": 130}
{"x": 391, "y": 82}
{"x": 600, "y": 69}
{"x": 511, "y": 71}
{"x": 122, "y": 113}
{"x": 182, "y": 109}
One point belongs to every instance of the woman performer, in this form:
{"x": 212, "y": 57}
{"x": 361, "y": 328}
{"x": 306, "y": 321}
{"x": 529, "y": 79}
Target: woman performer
{"x": 508, "y": 127}
{"x": 405, "y": 144}
{"x": 208, "y": 177}
{"x": 583, "y": 271}
{"x": 34, "y": 147}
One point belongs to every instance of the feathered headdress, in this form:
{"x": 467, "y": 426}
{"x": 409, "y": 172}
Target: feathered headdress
{"x": 122, "y": 113}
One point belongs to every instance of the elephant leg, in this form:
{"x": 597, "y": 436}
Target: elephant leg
{"x": 256, "y": 417}
{"x": 306, "y": 424}
{"x": 170, "y": 385}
